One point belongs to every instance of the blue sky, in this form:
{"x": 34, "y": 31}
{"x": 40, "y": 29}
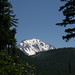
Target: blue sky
{"x": 37, "y": 19}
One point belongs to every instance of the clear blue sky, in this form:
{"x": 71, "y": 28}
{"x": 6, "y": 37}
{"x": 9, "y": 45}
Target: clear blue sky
{"x": 37, "y": 19}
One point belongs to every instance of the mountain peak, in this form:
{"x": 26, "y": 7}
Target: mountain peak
{"x": 33, "y": 46}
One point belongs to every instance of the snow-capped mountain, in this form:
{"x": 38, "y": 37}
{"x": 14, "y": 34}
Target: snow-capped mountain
{"x": 33, "y": 46}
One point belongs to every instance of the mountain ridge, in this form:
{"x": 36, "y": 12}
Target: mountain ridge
{"x": 33, "y": 46}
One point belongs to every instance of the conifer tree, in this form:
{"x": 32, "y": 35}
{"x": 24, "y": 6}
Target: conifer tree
{"x": 7, "y": 25}
{"x": 70, "y": 72}
{"x": 69, "y": 12}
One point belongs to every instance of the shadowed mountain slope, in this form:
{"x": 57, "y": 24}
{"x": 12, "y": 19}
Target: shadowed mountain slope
{"x": 53, "y": 62}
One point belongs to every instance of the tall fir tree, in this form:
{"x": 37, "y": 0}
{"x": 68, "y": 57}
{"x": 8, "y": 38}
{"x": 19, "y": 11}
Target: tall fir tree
{"x": 7, "y": 26}
{"x": 69, "y": 12}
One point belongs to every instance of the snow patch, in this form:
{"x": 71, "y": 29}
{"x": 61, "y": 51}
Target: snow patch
{"x": 33, "y": 46}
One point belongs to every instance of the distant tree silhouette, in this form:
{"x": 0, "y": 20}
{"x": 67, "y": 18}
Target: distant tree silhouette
{"x": 69, "y": 12}
{"x": 7, "y": 26}
{"x": 70, "y": 72}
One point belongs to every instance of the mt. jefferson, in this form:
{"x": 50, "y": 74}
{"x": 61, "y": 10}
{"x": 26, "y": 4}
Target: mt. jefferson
{"x": 33, "y": 46}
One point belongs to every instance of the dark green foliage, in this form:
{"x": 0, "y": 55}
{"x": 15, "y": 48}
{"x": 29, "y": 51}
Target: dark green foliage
{"x": 7, "y": 26}
{"x": 69, "y": 12}
{"x": 70, "y": 69}
{"x": 9, "y": 67}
